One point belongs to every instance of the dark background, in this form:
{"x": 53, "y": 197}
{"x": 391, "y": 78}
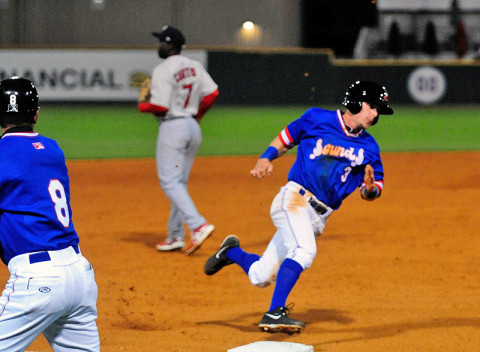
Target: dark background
{"x": 336, "y": 24}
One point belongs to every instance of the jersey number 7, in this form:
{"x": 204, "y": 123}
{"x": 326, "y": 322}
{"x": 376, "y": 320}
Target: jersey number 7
{"x": 189, "y": 87}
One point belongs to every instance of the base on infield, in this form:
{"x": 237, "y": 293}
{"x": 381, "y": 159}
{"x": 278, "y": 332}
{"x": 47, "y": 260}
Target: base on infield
{"x": 273, "y": 346}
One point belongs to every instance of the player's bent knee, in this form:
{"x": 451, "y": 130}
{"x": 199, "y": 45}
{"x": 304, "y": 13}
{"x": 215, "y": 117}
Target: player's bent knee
{"x": 262, "y": 276}
{"x": 304, "y": 256}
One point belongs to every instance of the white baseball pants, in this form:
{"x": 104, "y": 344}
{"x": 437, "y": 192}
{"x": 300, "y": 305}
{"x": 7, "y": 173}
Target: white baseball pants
{"x": 56, "y": 296}
{"x": 297, "y": 225}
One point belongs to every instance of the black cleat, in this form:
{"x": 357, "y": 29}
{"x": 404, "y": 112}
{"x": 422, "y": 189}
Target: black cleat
{"x": 219, "y": 259}
{"x": 278, "y": 321}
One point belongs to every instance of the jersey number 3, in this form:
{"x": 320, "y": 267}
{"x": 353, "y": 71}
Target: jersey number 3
{"x": 347, "y": 170}
{"x": 57, "y": 193}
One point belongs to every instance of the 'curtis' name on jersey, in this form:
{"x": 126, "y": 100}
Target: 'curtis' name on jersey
{"x": 184, "y": 73}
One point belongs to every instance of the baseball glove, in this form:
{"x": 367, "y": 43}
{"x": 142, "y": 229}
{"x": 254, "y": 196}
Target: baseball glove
{"x": 144, "y": 95}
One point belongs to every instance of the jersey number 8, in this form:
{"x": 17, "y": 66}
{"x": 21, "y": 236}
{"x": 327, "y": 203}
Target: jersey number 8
{"x": 57, "y": 193}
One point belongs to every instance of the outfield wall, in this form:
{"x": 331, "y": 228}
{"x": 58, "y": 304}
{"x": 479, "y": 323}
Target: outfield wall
{"x": 266, "y": 77}
{"x": 305, "y": 78}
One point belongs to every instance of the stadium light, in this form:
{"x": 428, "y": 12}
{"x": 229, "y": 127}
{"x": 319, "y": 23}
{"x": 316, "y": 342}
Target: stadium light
{"x": 250, "y": 34}
{"x": 248, "y": 26}
{"x": 98, "y": 5}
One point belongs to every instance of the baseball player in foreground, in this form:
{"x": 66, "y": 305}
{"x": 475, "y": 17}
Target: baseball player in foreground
{"x": 335, "y": 156}
{"x": 179, "y": 94}
{"x": 52, "y": 288}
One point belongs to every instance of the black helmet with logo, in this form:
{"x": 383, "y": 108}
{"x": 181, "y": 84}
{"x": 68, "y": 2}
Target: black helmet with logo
{"x": 368, "y": 92}
{"x": 18, "y": 101}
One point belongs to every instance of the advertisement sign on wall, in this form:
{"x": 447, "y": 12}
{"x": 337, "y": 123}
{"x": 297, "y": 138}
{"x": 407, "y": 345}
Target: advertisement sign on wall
{"x": 85, "y": 75}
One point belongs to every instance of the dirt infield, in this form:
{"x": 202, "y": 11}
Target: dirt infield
{"x": 398, "y": 274}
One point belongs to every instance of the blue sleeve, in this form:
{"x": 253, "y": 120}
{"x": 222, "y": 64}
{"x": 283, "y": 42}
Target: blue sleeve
{"x": 298, "y": 127}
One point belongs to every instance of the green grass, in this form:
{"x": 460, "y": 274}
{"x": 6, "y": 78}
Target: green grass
{"x": 120, "y": 131}
{"x": 99, "y": 131}
{"x": 429, "y": 129}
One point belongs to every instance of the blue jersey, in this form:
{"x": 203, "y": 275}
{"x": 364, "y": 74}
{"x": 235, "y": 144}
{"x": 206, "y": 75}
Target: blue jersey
{"x": 35, "y": 213}
{"x": 330, "y": 160}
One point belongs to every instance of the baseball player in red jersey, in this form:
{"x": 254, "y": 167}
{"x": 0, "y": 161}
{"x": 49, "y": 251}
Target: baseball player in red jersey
{"x": 180, "y": 94}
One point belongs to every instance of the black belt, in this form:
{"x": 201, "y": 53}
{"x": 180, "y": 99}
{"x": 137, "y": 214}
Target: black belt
{"x": 163, "y": 119}
{"x": 44, "y": 256}
{"x": 319, "y": 206}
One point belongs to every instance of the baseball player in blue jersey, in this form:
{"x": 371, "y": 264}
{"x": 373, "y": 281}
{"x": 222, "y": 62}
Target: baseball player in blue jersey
{"x": 335, "y": 156}
{"x": 180, "y": 93}
{"x": 52, "y": 288}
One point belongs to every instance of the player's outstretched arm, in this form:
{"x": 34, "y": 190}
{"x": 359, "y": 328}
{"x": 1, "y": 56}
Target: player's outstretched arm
{"x": 264, "y": 166}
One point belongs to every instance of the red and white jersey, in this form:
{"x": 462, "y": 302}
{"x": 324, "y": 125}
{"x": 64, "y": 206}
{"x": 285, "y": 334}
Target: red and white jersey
{"x": 179, "y": 84}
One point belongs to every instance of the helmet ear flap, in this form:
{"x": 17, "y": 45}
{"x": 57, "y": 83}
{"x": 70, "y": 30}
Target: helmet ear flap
{"x": 354, "y": 107}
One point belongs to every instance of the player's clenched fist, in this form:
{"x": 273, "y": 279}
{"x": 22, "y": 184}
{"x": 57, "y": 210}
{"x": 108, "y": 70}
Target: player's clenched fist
{"x": 263, "y": 168}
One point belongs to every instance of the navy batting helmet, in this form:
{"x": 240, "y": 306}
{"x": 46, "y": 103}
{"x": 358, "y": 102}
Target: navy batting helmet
{"x": 368, "y": 92}
{"x": 18, "y": 101}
